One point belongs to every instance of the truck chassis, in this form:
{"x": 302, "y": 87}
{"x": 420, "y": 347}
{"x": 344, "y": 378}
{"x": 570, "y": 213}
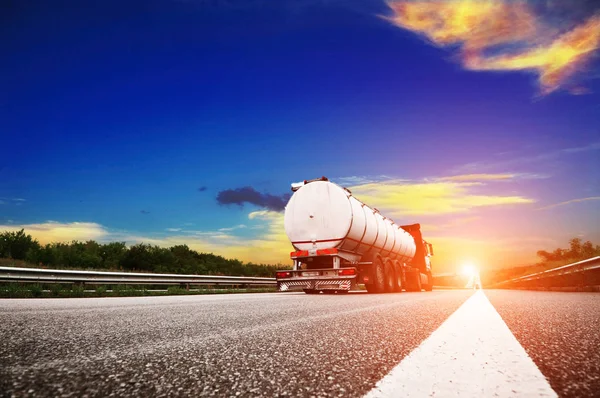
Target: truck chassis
{"x": 329, "y": 271}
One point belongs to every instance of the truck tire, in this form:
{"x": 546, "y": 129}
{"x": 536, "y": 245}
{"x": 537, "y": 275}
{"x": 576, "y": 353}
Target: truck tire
{"x": 413, "y": 281}
{"x": 429, "y": 286}
{"x": 378, "y": 285}
{"x": 390, "y": 277}
{"x": 397, "y": 277}
{"x": 311, "y": 291}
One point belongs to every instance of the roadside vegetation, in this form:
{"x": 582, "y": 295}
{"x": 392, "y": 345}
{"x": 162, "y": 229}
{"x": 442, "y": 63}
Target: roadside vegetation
{"x": 35, "y": 290}
{"x": 18, "y": 249}
{"x": 21, "y": 250}
{"x": 577, "y": 251}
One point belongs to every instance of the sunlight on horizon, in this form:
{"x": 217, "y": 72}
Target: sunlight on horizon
{"x": 468, "y": 269}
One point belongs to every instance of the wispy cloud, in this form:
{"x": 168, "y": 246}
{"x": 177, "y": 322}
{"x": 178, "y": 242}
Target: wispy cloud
{"x": 492, "y": 177}
{"x": 478, "y": 177}
{"x": 268, "y": 245}
{"x": 359, "y": 180}
{"x": 13, "y": 201}
{"x": 569, "y": 202}
{"x": 435, "y": 195}
{"x": 503, "y": 35}
{"x": 240, "y": 226}
{"x": 578, "y": 90}
{"x": 591, "y": 147}
{"x": 504, "y": 164}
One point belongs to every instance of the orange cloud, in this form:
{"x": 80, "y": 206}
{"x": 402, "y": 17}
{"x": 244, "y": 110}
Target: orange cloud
{"x": 555, "y": 63}
{"x": 474, "y": 24}
{"x": 486, "y": 26}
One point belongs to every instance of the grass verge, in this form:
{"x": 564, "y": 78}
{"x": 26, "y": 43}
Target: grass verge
{"x": 17, "y": 290}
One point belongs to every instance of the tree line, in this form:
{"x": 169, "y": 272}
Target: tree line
{"x": 179, "y": 259}
{"x": 577, "y": 251}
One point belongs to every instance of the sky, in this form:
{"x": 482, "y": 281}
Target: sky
{"x": 185, "y": 121}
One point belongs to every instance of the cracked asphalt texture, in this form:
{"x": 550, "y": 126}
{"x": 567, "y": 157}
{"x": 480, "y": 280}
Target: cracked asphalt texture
{"x": 288, "y": 344}
{"x": 561, "y": 333}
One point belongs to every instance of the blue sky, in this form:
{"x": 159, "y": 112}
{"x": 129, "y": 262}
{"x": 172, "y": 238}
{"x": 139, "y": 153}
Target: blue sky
{"x": 125, "y": 120}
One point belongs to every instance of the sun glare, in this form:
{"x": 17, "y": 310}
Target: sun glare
{"x": 468, "y": 270}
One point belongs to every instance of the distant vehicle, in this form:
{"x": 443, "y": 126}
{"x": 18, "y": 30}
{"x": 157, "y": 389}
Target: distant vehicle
{"x": 341, "y": 242}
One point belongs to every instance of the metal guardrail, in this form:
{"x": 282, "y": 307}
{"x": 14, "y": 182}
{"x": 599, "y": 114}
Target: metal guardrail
{"x": 15, "y": 274}
{"x": 564, "y": 272}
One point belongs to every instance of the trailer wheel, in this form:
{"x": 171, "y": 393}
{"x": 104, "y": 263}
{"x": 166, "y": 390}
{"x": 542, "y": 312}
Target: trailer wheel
{"x": 378, "y": 285}
{"x": 429, "y": 286}
{"x": 311, "y": 291}
{"x": 397, "y": 277}
{"x": 413, "y": 281}
{"x": 390, "y": 277}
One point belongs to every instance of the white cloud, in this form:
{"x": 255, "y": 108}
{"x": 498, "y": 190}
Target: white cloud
{"x": 240, "y": 226}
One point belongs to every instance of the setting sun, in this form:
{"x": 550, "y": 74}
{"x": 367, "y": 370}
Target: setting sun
{"x": 469, "y": 270}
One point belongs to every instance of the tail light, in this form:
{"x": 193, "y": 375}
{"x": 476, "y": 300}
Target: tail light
{"x": 347, "y": 272}
{"x": 299, "y": 253}
{"x": 283, "y": 274}
{"x": 322, "y": 252}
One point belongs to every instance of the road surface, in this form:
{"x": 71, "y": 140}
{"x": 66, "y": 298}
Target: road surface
{"x": 509, "y": 343}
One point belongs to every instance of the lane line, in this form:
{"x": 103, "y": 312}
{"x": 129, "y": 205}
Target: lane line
{"x": 472, "y": 354}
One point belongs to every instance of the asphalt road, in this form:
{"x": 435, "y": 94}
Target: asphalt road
{"x": 561, "y": 333}
{"x": 269, "y": 344}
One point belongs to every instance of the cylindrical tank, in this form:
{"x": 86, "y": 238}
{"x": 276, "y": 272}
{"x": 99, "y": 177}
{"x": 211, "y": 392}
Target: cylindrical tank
{"x": 323, "y": 215}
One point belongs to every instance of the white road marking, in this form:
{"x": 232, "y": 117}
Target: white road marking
{"x": 472, "y": 354}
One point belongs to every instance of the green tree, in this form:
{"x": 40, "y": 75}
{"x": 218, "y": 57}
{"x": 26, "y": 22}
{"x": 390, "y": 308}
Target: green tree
{"x": 140, "y": 257}
{"x": 186, "y": 260}
{"x": 144, "y": 257}
{"x": 82, "y": 255}
{"x": 574, "y": 251}
{"x": 587, "y": 250}
{"x": 112, "y": 254}
{"x": 545, "y": 255}
{"x": 17, "y": 245}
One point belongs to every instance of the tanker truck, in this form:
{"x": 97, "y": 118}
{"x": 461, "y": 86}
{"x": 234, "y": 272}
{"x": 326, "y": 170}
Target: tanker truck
{"x": 340, "y": 243}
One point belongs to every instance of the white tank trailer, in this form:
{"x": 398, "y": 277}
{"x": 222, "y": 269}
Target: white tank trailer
{"x": 341, "y": 242}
